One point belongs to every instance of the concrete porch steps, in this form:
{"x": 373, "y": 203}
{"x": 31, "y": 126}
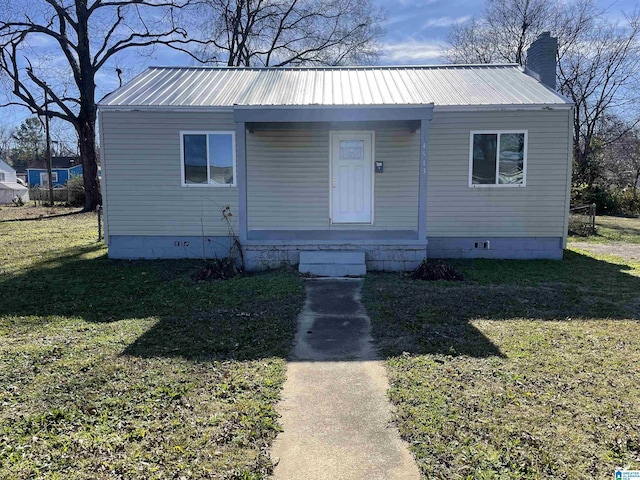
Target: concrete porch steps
{"x": 333, "y": 263}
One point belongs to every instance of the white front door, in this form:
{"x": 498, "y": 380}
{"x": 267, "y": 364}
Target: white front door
{"x": 44, "y": 179}
{"x": 351, "y": 177}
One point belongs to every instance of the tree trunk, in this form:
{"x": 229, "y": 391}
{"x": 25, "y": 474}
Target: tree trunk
{"x": 87, "y": 139}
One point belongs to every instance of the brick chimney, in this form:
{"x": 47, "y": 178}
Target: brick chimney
{"x": 541, "y": 59}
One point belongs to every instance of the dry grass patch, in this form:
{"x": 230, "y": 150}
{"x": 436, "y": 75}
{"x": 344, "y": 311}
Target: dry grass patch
{"x": 613, "y": 229}
{"x": 132, "y": 369}
{"x": 529, "y": 369}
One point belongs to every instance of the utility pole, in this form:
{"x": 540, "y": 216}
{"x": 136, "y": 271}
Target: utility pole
{"x": 46, "y": 127}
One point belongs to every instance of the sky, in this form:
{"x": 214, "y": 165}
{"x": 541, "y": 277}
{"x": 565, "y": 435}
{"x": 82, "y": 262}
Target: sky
{"x": 417, "y": 29}
{"x": 416, "y": 33}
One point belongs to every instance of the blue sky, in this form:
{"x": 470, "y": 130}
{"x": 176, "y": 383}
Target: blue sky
{"x": 416, "y": 32}
{"x": 417, "y": 29}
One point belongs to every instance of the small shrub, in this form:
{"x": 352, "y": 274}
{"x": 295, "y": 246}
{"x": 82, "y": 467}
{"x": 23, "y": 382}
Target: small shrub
{"x": 76, "y": 191}
{"x": 218, "y": 269}
{"x": 609, "y": 201}
{"x": 436, "y": 270}
{"x": 628, "y": 204}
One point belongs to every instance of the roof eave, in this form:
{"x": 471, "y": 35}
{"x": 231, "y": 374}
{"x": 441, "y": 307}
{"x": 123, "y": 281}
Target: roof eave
{"x": 436, "y": 108}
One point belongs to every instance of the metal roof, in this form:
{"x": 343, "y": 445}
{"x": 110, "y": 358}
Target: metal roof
{"x": 450, "y": 85}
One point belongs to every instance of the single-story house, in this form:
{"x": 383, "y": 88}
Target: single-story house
{"x": 10, "y": 188}
{"x": 383, "y": 165}
{"x": 62, "y": 169}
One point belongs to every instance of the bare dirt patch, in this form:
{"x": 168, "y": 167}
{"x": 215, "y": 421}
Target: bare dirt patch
{"x": 628, "y": 251}
{"x": 31, "y": 212}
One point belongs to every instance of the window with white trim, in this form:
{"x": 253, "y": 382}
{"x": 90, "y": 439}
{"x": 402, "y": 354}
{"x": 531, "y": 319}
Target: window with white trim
{"x": 208, "y": 159}
{"x": 498, "y": 158}
{"x": 2, "y": 176}
{"x": 54, "y": 177}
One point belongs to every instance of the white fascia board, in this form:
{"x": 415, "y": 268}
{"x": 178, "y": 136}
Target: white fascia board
{"x": 436, "y": 108}
{"x": 335, "y": 106}
{"x": 498, "y": 108}
{"x": 162, "y": 108}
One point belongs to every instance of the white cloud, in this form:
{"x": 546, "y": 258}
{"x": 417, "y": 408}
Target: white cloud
{"x": 445, "y": 22}
{"x": 412, "y": 52}
{"x": 416, "y": 3}
{"x": 394, "y": 20}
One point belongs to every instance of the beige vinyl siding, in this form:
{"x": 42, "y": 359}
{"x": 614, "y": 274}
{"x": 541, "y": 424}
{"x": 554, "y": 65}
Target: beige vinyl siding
{"x": 396, "y": 190}
{"x": 288, "y": 179}
{"x": 456, "y": 210}
{"x": 142, "y": 168}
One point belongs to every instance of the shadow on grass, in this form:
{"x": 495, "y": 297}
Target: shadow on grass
{"x": 255, "y": 316}
{"x": 43, "y": 217}
{"x": 436, "y": 317}
{"x": 244, "y": 318}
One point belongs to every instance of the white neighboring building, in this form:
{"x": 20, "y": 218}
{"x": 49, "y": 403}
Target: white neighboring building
{"x": 9, "y": 186}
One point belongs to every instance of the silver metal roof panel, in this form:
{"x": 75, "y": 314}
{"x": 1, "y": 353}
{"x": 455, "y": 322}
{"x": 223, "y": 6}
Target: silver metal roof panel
{"x": 442, "y": 85}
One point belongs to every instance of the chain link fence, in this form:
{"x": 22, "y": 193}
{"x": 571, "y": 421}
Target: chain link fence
{"x": 582, "y": 220}
{"x": 68, "y": 195}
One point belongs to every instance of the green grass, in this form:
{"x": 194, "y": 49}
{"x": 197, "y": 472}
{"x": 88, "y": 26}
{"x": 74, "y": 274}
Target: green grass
{"x": 131, "y": 369}
{"x": 609, "y": 228}
{"x": 526, "y": 370}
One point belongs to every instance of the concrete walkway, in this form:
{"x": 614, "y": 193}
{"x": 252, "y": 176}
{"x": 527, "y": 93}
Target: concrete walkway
{"x": 335, "y": 413}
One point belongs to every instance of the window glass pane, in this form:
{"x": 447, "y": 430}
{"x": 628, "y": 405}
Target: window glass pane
{"x": 221, "y": 158}
{"x": 511, "y": 169}
{"x": 195, "y": 158}
{"x": 484, "y": 158}
{"x": 351, "y": 149}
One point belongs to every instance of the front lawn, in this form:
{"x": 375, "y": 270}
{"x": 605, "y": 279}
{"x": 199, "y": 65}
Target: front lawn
{"x": 613, "y": 229}
{"x": 132, "y": 369}
{"x": 526, "y": 370}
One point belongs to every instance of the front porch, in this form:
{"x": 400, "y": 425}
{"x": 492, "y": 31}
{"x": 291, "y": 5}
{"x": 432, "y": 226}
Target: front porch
{"x": 333, "y": 179}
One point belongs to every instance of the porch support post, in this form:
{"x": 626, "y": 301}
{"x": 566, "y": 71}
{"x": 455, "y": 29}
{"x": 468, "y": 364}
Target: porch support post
{"x": 241, "y": 164}
{"x": 422, "y": 185}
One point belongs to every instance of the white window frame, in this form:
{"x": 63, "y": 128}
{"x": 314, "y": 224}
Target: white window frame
{"x": 496, "y": 184}
{"x": 2, "y": 177}
{"x": 54, "y": 177}
{"x": 206, "y": 133}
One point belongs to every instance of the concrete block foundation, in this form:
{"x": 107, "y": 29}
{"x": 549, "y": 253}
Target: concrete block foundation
{"x": 377, "y": 257}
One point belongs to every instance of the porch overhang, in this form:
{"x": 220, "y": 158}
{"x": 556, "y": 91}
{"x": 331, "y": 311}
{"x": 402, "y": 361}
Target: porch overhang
{"x": 331, "y": 113}
{"x": 250, "y": 114}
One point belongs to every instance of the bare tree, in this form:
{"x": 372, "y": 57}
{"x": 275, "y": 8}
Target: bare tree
{"x": 621, "y": 158}
{"x": 503, "y": 33}
{"x": 598, "y": 61}
{"x": 6, "y": 139}
{"x": 292, "y": 32}
{"x": 600, "y": 74}
{"x": 84, "y": 36}
{"x": 472, "y": 42}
